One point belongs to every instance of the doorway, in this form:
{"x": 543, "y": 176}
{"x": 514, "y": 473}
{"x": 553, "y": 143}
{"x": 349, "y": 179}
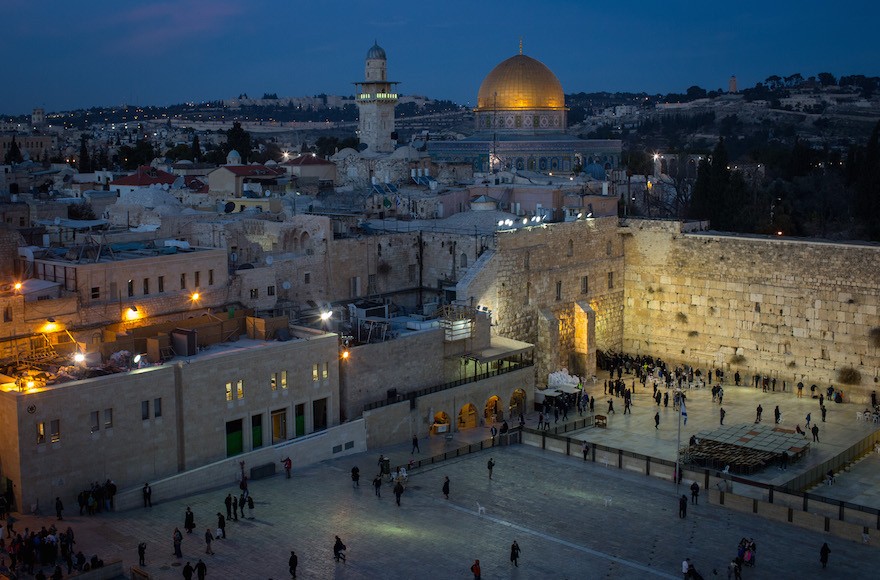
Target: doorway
{"x": 279, "y": 425}
{"x": 234, "y": 438}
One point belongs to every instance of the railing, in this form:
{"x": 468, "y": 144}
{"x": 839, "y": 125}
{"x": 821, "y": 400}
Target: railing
{"x": 512, "y": 437}
{"x": 779, "y": 496}
{"x": 413, "y": 395}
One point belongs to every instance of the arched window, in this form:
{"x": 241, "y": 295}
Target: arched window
{"x": 570, "y": 247}
{"x": 462, "y": 261}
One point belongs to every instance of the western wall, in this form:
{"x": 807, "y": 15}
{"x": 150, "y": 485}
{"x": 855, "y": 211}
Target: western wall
{"x": 791, "y": 309}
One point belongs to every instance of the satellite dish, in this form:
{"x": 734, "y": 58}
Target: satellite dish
{"x": 165, "y": 186}
{"x": 57, "y": 221}
{"x": 229, "y": 207}
{"x": 269, "y": 260}
{"x": 267, "y": 193}
{"x": 286, "y": 284}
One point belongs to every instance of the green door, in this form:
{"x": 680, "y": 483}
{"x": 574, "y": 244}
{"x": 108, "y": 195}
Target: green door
{"x": 257, "y": 431}
{"x": 234, "y": 439}
{"x": 300, "y": 420}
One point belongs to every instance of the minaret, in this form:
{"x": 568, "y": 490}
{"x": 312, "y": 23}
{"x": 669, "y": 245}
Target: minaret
{"x": 376, "y": 100}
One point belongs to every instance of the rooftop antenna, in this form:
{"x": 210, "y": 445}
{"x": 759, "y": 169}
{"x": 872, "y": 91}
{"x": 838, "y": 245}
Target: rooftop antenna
{"x": 520, "y": 44}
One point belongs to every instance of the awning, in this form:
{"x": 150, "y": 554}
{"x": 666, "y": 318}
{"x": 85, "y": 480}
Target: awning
{"x": 500, "y": 348}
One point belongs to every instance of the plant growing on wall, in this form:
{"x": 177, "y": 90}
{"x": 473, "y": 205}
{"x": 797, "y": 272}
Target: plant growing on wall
{"x": 849, "y": 376}
{"x": 737, "y": 359}
{"x": 682, "y": 317}
{"x": 874, "y": 336}
{"x": 693, "y": 334}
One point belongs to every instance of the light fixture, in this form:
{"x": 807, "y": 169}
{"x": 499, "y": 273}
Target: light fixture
{"x": 79, "y": 357}
{"x": 137, "y": 358}
{"x": 195, "y": 296}
{"x": 525, "y": 221}
{"x": 580, "y": 215}
{"x": 589, "y": 210}
{"x": 17, "y": 286}
{"x": 50, "y": 326}
{"x": 325, "y": 315}
{"x": 345, "y": 355}
{"x": 30, "y": 384}
{"x": 500, "y": 223}
{"x": 132, "y": 313}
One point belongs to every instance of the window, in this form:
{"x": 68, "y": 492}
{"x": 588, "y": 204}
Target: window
{"x": 55, "y": 430}
{"x": 270, "y": 291}
{"x": 108, "y": 418}
{"x": 526, "y": 260}
{"x": 239, "y": 389}
{"x": 94, "y": 421}
{"x": 608, "y": 248}
{"x": 254, "y": 293}
{"x": 379, "y": 249}
{"x": 570, "y": 247}
{"x": 183, "y": 281}
{"x": 371, "y": 282}
{"x": 130, "y": 288}
{"x": 307, "y": 278}
{"x": 145, "y": 410}
{"x": 283, "y": 379}
{"x": 7, "y": 314}
{"x": 315, "y": 372}
{"x": 198, "y": 278}
{"x": 610, "y": 280}
{"x": 157, "y": 407}
{"x": 462, "y": 261}
{"x": 273, "y": 381}
{"x": 326, "y": 372}
{"x": 146, "y": 286}
{"x": 585, "y": 284}
{"x": 161, "y": 284}
{"x": 558, "y": 290}
{"x": 41, "y": 432}
{"x": 411, "y": 272}
{"x": 228, "y": 391}
{"x": 96, "y": 292}
{"x": 210, "y": 277}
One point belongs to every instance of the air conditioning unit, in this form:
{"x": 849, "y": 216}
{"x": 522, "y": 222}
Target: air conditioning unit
{"x": 310, "y": 252}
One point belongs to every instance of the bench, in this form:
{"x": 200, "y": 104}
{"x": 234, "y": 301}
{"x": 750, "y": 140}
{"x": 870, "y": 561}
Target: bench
{"x": 600, "y": 421}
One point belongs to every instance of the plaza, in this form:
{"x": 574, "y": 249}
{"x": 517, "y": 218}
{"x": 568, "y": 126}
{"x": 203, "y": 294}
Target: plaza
{"x": 572, "y": 519}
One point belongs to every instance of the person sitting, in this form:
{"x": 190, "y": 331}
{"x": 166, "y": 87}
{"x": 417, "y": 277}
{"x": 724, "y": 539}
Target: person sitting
{"x": 798, "y": 430}
{"x": 829, "y": 477}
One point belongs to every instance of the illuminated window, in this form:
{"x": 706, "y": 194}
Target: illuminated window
{"x": 326, "y": 372}
{"x": 273, "y": 381}
{"x": 228, "y": 391}
{"x": 255, "y": 293}
{"x": 55, "y": 430}
{"x": 239, "y": 389}
{"x": 283, "y": 379}
{"x": 315, "y": 372}
{"x": 41, "y": 432}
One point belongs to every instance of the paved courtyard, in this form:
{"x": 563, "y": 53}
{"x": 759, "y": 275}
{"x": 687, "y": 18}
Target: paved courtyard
{"x": 554, "y": 506}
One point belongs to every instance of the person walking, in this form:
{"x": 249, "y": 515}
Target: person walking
{"x": 228, "y": 502}
{"x": 657, "y": 420}
{"x": 147, "y": 493}
{"x": 777, "y": 415}
{"x": 339, "y": 550}
{"x": 809, "y": 418}
{"x": 209, "y": 537}
{"x": 177, "y": 538}
{"x": 189, "y": 520}
{"x": 377, "y": 485}
{"x": 415, "y": 445}
{"x": 824, "y": 551}
{"x": 287, "y": 463}
{"x": 142, "y": 554}
{"x": 585, "y": 449}
{"x": 475, "y": 570}
{"x": 398, "y": 491}
{"x": 514, "y": 553}
{"x": 758, "y": 412}
{"x": 446, "y": 487}
{"x": 695, "y": 492}
{"x": 242, "y": 501}
{"x": 611, "y": 406}
{"x": 59, "y": 507}
{"x": 815, "y": 431}
{"x": 188, "y": 571}
{"x": 490, "y": 465}
{"x": 250, "y": 502}
{"x": 823, "y": 410}
{"x": 221, "y": 525}
{"x": 355, "y": 476}
{"x": 722, "y": 413}
{"x": 234, "y": 508}
{"x": 201, "y": 569}
{"x": 682, "y": 506}
{"x": 292, "y": 563}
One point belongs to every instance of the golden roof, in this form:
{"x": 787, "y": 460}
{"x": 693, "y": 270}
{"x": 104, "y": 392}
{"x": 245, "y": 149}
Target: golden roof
{"x": 520, "y": 82}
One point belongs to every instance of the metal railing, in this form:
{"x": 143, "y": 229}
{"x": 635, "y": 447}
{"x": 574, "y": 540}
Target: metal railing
{"x": 512, "y": 437}
{"x": 413, "y": 395}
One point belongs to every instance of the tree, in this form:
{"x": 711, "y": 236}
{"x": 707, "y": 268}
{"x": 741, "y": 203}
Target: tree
{"x": 867, "y": 186}
{"x": 80, "y": 211}
{"x": 14, "y": 154}
{"x": 179, "y": 152}
{"x": 85, "y": 161}
{"x": 696, "y": 92}
{"x": 196, "y": 149}
{"x": 239, "y": 140}
{"x": 827, "y": 79}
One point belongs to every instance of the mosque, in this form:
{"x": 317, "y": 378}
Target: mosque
{"x": 520, "y": 122}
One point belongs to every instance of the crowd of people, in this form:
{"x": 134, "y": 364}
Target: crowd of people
{"x": 98, "y": 498}
{"x": 35, "y": 552}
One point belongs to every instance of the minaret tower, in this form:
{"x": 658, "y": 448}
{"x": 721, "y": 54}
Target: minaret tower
{"x": 376, "y": 98}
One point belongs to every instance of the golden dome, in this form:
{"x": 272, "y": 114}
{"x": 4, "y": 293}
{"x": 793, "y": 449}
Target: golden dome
{"x": 520, "y": 82}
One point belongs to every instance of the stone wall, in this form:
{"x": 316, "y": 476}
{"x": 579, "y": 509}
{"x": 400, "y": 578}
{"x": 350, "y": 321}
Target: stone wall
{"x": 791, "y": 309}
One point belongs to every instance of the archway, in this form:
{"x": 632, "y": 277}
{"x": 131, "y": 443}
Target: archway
{"x": 493, "y": 412}
{"x": 518, "y": 402}
{"x": 467, "y": 417}
{"x": 441, "y": 423}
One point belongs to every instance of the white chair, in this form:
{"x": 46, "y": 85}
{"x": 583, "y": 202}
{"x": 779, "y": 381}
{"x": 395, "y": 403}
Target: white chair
{"x": 480, "y": 509}
{"x": 860, "y": 416}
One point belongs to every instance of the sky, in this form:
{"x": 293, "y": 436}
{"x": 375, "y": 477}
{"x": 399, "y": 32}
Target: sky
{"x": 67, "y": 55}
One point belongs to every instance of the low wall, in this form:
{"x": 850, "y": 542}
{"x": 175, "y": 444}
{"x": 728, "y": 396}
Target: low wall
{"x": 346, "y": 439}
{"x": 805, "y": 510}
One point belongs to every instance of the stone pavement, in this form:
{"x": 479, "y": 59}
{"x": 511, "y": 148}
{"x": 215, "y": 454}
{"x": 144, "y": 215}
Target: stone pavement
{"x": 554, "y": 506}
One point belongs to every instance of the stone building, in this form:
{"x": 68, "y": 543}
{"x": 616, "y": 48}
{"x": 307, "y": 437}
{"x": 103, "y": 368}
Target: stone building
{"x": 376, "y": 98}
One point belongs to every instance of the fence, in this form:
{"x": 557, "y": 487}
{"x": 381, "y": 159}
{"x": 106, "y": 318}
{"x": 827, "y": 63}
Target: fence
{"x": 512, "y": 437}
{"x": 780, "y": 503}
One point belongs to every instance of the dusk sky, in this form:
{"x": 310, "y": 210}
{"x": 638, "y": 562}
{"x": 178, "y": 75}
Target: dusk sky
{"x": 67, "y": 55}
